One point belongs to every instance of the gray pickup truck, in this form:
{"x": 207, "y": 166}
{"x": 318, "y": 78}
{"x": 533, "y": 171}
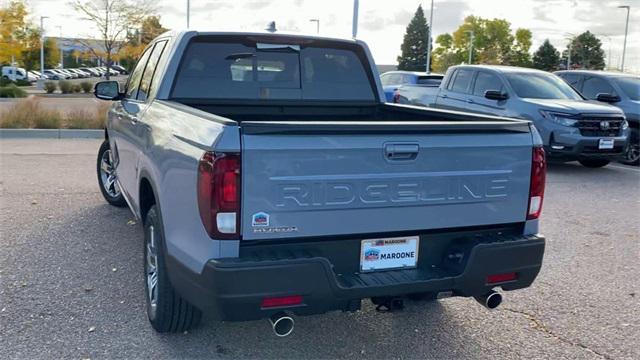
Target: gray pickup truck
{"x": 571, "y": 127}
{"x": 272, "y": 179}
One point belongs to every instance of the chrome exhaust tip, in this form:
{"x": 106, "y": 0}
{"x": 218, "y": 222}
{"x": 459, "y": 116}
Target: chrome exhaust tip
{"x": 490, "y": 300}
{"x": 282, "y": 324}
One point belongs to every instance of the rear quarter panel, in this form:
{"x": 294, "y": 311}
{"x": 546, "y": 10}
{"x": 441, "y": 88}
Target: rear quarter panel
{"x": 178, "y": 137}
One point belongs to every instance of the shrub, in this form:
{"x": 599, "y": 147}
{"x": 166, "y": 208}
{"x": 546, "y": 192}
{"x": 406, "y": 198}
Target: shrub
{"x": 86, "y": 86}
{"x": 4, "y": 81}
{"x": 50, "y": 87}
{"x": 76, "y": 88}
{"x": 12, "y": 91}
{"x": 65, "y": 86}
{"x": 21, "y": 82}
{"x": 29, "y": 113}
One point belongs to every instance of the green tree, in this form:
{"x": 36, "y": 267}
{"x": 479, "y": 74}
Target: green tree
{"x": 443, "y": 55}
{"x": 414, "y": 44}
{"x": 586, "y": 52}
{"x": 493, "y": 43}
{"x": 546, "y": 57}
{"x": 519, "y": 55}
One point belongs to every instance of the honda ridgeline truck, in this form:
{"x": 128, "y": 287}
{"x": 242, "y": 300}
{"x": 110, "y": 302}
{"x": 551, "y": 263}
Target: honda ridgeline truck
{"x": 571, "y": 127}
{"x": 272, "y": 180}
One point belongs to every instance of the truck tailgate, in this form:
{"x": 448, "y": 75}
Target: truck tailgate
{"x": 302, "y": 179}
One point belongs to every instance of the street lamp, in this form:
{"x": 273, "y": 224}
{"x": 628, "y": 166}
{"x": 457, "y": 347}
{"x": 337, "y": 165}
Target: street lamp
{"x": 40, "y": 83}
{"x": 472, "y": 36}
{"x": 569, "y": 49}
{"x": 188, "y": 12}
{"x": 317, "y": 21}
{"x": 626, "y": 30}
{"x": 429, "y": 32}
{"x": 60, "y": 46}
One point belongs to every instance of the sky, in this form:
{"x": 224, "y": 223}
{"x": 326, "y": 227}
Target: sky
{"x": 382, "y": 23}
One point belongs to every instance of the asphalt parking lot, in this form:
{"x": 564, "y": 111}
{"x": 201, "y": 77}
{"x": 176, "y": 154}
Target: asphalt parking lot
{"x": 71, "y": 282}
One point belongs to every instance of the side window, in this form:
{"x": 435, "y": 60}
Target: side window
{"x": 149, "y": 70}
{"x": 486, "y": 81}
{"x": 593, "y": 86}
{"x": 384, "y": 79}
{"x": 136, "y": 75}
{"x": 462, "y": 81}
{"x": 572, "y": 79}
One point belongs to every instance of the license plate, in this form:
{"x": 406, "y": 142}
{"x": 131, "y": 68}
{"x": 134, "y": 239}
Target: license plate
{"x": 605, "y": 144}
{"x": 389, "y": 253}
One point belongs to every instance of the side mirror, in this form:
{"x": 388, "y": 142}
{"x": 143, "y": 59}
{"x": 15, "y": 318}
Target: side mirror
{"x": 495, "y": 95}
{"x": 608, "y": 98}
{"x": 107, "y": 90}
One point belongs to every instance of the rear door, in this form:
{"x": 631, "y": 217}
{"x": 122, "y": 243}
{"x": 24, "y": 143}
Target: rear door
{"x": 455, "y": 95}
{"x": 323, "y": 179}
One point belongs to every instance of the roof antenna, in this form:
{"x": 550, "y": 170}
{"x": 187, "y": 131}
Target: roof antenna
{"x": 271, "y": 27}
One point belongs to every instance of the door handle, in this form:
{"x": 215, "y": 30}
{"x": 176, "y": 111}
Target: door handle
{"x": 444, "y": 96}
{"x": 401, "y": 152}
{"x": 133, "y": 119}
{"x": 469, "y": 101}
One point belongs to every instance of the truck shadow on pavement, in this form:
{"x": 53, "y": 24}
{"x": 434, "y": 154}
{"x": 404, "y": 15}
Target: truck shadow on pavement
{"x": 425, "y": 328}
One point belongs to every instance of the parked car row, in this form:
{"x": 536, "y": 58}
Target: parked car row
{"x": 16, "y": 73}
{"x": 575, "y": 118}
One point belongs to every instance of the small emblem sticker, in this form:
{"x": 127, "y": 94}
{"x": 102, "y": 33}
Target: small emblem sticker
{"x": 372, "y": 254}
{"x": 260, "y": 219}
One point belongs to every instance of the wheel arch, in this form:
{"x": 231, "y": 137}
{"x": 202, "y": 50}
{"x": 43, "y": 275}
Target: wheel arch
{"x": 148, "y": 195}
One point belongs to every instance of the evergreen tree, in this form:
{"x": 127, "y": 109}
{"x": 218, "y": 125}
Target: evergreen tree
{"x": 414, "y": 45}
{"x": 586, "y": 52}
{"x": 546, "y": 57}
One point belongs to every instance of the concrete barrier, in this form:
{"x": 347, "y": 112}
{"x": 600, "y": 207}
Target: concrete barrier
{"x": 51, "y": 134}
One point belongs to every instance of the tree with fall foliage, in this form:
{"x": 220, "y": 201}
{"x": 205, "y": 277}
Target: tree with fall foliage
{"x": 137, "y": 40}
{"x": 112, "y": 18}
{"x": 493, "y": 43}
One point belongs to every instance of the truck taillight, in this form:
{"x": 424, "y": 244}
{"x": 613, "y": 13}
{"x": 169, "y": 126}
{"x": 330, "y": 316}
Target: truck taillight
{"x": 536, "y": 189}
{"x": 219, "y": 194}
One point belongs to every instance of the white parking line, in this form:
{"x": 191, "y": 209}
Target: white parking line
{"x": 625, "y": 168}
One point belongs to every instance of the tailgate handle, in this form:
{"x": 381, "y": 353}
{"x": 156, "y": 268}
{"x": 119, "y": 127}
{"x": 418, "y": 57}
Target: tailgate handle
{"x": 399, "y": 152}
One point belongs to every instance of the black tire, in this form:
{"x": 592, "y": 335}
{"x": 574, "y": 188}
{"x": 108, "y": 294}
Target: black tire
{"x": 171, "y": 313}
{"x": 632, "y": 156}
{"x": 594, "y": 163}
{"x": 113, "y": 195}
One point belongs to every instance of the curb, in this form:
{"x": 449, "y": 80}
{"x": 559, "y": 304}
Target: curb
{"x": 51, "y": 134}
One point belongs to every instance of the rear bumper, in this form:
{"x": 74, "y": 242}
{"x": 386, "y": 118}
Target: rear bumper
{"x": 233, "y": 289}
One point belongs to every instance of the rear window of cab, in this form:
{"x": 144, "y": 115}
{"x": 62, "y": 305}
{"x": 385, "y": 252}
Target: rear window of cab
{"x": 215, "y": 69}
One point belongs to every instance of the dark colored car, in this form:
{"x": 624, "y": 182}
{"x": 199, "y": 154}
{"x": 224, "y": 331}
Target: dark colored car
{"x": 618, "y": 89}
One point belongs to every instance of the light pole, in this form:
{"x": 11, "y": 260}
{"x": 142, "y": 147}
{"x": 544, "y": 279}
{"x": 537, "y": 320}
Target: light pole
{"x": 569, "y": 48}
{"x": 429, "y": 32}
{"x": 40, "y": 83}
{"x": 354, "y": 24}
{"x": 60, "y": 46}
{"x": 188, "y": 11}
{"x": 317, "y": 21}
{"x": 626, "y": 30}
{"x": 472, "y": 36}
